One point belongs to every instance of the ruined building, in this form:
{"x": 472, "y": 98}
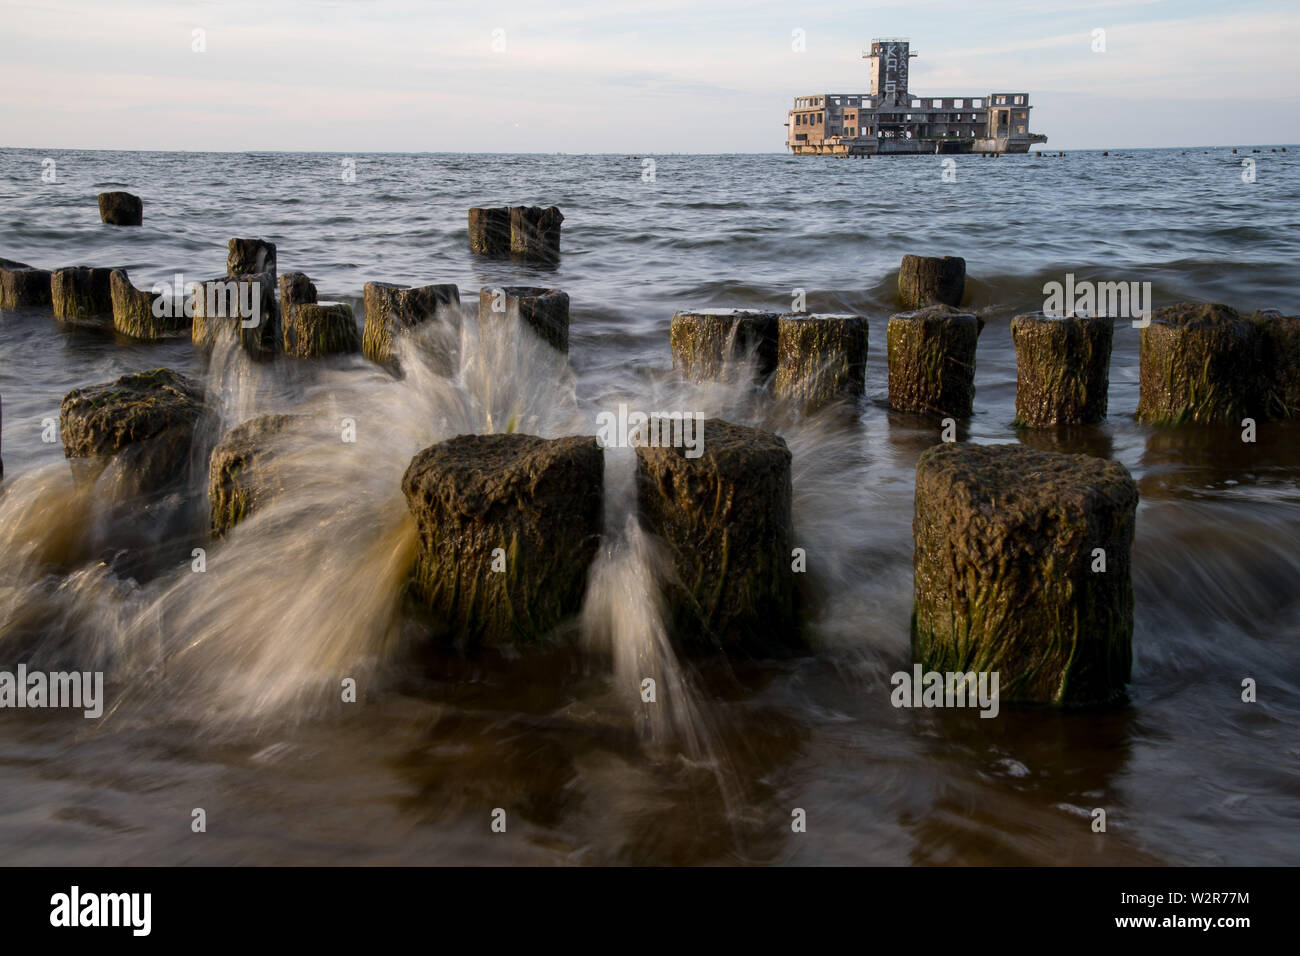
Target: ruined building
{"x": 890, "y": 119}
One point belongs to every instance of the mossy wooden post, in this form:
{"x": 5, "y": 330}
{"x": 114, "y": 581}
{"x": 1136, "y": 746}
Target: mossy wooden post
{"x": 241, "y": 471}
{"x": 147, "y": 422}
{"x": 250, "y": 257}
{"x": 1199, "y": 364}
{"x": 932, "y": 361}
{"x": 1021, "y": 566}
{"x": 22, "y": 287}
{"x": 706, "y": 341}
{"x": 79, "y": 292}
{"x": 1279, "y": 363}
{"x": 135, "y": 315}
{"x": 821, "y": 359}
{"x": 318, "y": 329}
{"x": 535, "y": 233}
{"x": 393, "y": 309}
{"x": 245, "y": 308}
{"x": 545, "y": 311}
{"x": 726, "y": 518}
{"x": 121, "y": 209}
{"x": 926, "y": 281}
{"x": 489, "y": 231}
{"x": 1062, "y": 368}
{"x": 296, "y": 289}
{"x": 508, "y": 527}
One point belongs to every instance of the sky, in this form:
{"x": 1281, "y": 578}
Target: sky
{"x": 623, "y": 76}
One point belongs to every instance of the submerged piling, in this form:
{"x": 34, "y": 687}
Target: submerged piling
{"x": 932, "y": 361}
{"x": 1022, "y": 568}
{"x": 705, "y": 341}
{"x": 545, "y": 311}
{"x": 394, "y": 309}
{"x": 724, "y": 509}
{"x": 146, "y": 315}
{"x": 22, "y": 286}
{"x": 489, "y": 231}
{"x": 1062, "y": 368}
{"x": 535, "y": 233}
{"x": 241, "y": 306}
{"x": 318, "y": 329}
{"x": 1199, "y": 365}
{"x": 121, "y": 209}
{"x": 924, "y": 281}
{"x": 821, "y": 359}
{"x": 508, "y": 527}
{"x": 80, "y": 292}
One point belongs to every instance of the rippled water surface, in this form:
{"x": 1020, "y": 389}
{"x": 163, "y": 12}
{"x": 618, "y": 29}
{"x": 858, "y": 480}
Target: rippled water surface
{"x": 223, "y": 686}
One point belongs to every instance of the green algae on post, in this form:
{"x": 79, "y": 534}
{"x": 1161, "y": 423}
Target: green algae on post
{"x": 318, "y": 329}
{"x": 924, "y": 281}
{"x": 1062, "y": 368}
{"x": 705, "y": 342}
{"x": 241, "y": 471}
{"x": 932, "y": 361}
{"x": 393, "y": 309}
{"x": 726, "y": 518}
{"x": 148, "y": 420}
{"x": 1199, "y": 364}
{"x": 508, "y": 527}
{"x": 821, "y": 359}
{"x": 1022, "y": 566}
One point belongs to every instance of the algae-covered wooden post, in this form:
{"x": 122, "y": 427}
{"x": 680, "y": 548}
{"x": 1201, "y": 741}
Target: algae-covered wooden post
{"x": 146, "y": 315}
{"x": 121, "y": 209}
{"x": 544, "y": 311}
{"x": 318, "y": 329}
{"x": 508, "y": 527}
{"x": 931, "y": 355}
{"x": 1021, "y": 567}
{"x": 79, "y": 292}
{"x": 489, "y": 231}
{"x": 1062, "y": 368}
{"x": 821, "y": 359}
{"x": 720, "y": 497}
{"x": 924, "y": 280}
{"x": 705, "y": 342}
{"x": 1199, "y": 364}
{"x": 1279, "y": 337}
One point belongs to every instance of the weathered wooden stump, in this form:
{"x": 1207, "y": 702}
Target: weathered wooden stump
{"x": 545, "y": 311}
{"x": 821, "y": 359}
{"x": 1010, "y": 547}
{"x": 535, "y": 232}
{"x": 317, "y": 329}
{"x": 145, "y": 315}
{"x": 80, "y": 292}
{"x": 144, "y": 424}
{"x": 243, "y": 307}
{"x": 932, "y": 361}
{"x": 121, "y": 209}
{"x": 706, "y": 341}
{"x": 22, "y": 287}
{"x": 242, "y": 473}
{"x": 726, "y": 518}
{"x": 508, "y": 527}
{"x": 1062, "y": 368}
{"x": 296, "y": 289}
{"x": 489, "y": 231}
{"x": 245, "y": 257}
{"x": 393, "y": 309}
{"x": 926, "y": 281}
{"x": 1279, "y": 363}
{"x": 1199, "y": 364}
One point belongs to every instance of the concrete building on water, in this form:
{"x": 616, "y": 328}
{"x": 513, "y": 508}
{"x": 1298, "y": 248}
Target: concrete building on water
{"x": 890, "y": 119}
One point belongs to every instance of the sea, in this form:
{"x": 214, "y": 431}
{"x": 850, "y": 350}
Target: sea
{"x": 224, "y": 686}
